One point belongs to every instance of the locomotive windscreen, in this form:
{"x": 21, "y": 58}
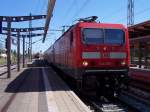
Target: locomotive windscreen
{"x": 103, "y": 36}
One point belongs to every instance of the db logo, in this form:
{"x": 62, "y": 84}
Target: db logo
{"x": 105, "y": 55}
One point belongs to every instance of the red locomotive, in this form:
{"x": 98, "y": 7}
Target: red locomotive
{"x": 95, "y": 55}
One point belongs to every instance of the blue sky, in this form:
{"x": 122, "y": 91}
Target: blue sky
{"x": 67, "y": 11}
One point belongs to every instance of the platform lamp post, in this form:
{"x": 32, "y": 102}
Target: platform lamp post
{"x": 9, "y": 48}
{"x": 23, "y": 51}
{"x": 30, "y": 39}
{"x": 18, "y": 50}
{"x": 18, "y": 30}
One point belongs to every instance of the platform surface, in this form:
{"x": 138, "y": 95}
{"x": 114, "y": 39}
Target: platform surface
{"x": 38, "y": 90}
{"x": 138, "y": 74}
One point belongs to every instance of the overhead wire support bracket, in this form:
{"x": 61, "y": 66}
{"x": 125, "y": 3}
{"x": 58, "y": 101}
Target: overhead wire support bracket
{"x": 21, "y": 18}
{"x": 23, "y": 29}
{"x": 24, "y": 35}
{"x": 9, "y": 20}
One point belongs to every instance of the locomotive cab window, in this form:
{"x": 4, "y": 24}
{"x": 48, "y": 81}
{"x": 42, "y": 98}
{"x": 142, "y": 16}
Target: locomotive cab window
{"x": 93, "y": 36}
{"x": 103, "y": 36}
{"x": 114, "y": 36}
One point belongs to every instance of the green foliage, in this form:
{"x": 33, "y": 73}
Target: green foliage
{"x": 3, "y": 61}
{"x": 14, "y": 56}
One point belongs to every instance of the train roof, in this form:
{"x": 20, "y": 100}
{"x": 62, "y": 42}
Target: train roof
{"x": 91, "y": 24}
{"x": 65, "y": 32}
{"x": 101, "y": 25}
{"x": 94, "y": 25}
{"x": 140, "y": 30}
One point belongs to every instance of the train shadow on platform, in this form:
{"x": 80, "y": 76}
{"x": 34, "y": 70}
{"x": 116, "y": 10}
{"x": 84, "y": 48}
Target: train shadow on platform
{"x": 32, "y": 80}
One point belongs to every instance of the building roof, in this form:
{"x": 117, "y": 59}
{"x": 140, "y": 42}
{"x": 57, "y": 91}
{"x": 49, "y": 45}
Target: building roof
{"x": 139, "y": 30}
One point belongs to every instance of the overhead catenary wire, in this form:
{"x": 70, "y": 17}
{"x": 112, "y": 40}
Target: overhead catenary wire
{"x": 142, "y": 11}
{"x": 2, "y": 41}
{"x": 40, "y": 4}
{"x": 36, "y": 6}
{"x": 42, "y": 38}
{"x": 37, "y": 41}
{"x": 110, "y": 15}
{"x": 69, "y": 9}
{"x": 136, "y": 14}
{"x": 43, "y": 5}
{"x": 80, "y": 9}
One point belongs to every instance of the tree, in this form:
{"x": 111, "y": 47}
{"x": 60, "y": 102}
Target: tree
{"x": 15, "y": 53}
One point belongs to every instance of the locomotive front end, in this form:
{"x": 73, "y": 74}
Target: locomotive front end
{"x": 104, "y": 56}
{"x": 105, "y": 49}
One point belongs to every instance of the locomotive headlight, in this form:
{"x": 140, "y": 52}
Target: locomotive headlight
{"x": 85, "y": 63}
{"x": 123, "y": 63}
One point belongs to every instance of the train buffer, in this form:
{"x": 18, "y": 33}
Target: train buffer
{"x": 38, "y": 89}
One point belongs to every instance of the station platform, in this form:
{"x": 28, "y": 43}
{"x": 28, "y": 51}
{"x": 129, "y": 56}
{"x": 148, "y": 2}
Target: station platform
{"x": 38, "y": 89}
{"x": 140, "y": 78}
{"x": 139, "y": 74}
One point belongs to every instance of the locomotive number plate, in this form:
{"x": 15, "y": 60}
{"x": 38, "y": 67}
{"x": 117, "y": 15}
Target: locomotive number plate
{"x": 105, "y": 55}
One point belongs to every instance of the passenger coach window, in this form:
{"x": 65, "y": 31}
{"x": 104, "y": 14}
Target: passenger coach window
{"x": 92, "y": 35}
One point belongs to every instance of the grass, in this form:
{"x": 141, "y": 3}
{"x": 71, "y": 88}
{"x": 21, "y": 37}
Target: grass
{"x": 3, "y": 61}
{"x": 13, "y": 59}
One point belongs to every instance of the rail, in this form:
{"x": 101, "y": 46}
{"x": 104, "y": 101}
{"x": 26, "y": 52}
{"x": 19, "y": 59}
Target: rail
{"x": 13, "y": 66}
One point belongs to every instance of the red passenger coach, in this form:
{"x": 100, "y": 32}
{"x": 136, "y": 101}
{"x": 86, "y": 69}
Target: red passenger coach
{"x": 93, "y": 54}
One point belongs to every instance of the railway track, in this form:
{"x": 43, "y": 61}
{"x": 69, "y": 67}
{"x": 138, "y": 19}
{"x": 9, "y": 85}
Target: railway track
{"x": 3, "y": 69}
{"x": 98, "y": 105}
{"x": 135, "y": 101}
{"x": 125, "y": 102}
{"x": 104, "y": 105}
{"x": 107, "y": 106}
{"x": 3, "y": 65}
